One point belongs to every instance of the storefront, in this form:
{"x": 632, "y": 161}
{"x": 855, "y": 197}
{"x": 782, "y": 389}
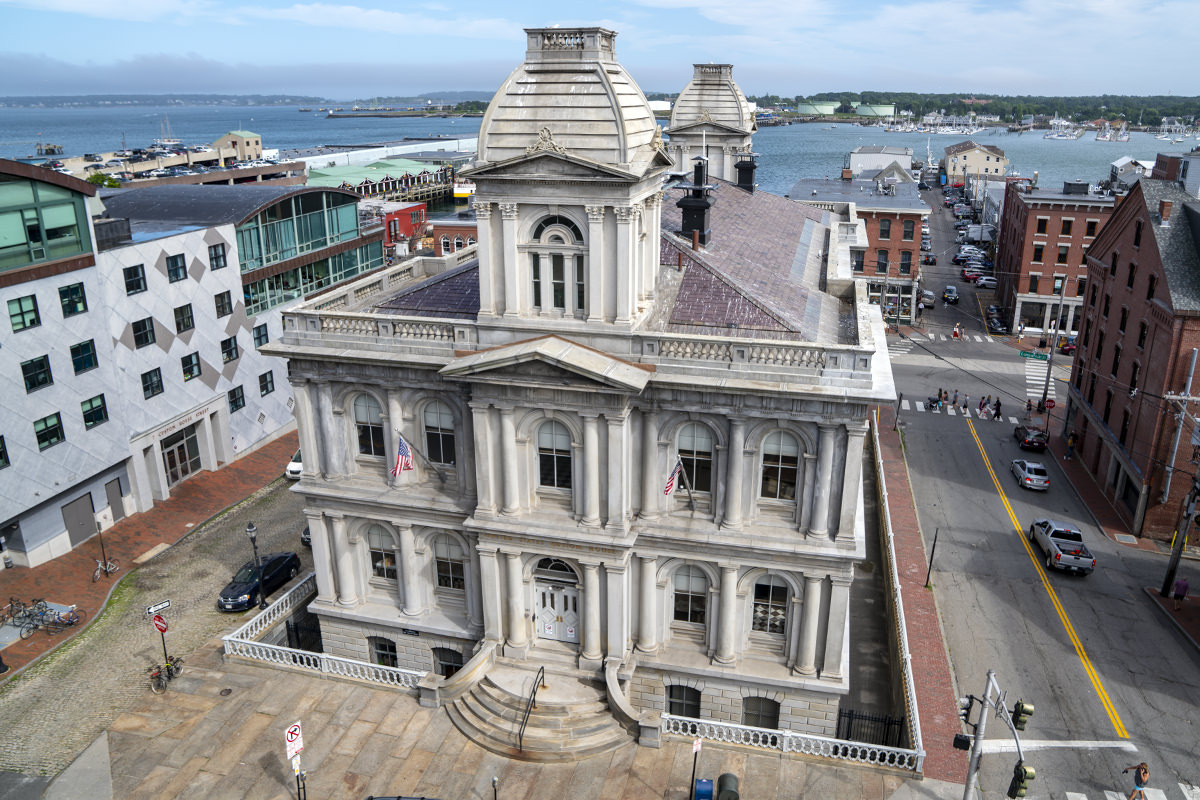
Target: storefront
{"x": 171, "y": 453}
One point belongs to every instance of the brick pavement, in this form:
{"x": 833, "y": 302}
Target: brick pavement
{"x": 68, "y": 579}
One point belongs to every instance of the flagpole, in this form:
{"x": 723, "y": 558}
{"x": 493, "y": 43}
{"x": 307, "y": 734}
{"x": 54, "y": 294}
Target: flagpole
{"x": 424, "y": 458}
{"x": 687, "y": 484}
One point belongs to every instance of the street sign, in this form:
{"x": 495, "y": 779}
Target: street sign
{"x": 296, "y": 764}
{"x": 157, "y": 607}
{"x": 160, "y": 623}
{"x": 696, "y": 745}
{"x": 1050, "y": 403}
{"x": 295, "y": 740}
{"x": 1033, "y": 355}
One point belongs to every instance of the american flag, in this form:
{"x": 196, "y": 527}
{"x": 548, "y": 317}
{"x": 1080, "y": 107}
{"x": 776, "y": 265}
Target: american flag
{"x": 403, "y": 456}
{"x": 670, "y": 487}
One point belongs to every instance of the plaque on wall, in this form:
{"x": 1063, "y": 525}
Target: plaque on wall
{"x": 410, "y": 632}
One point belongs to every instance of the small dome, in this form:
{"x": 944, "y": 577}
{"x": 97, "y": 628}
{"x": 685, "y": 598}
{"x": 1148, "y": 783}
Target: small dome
{"x": 570, "y": 95}
{"x": 712, "y": 96}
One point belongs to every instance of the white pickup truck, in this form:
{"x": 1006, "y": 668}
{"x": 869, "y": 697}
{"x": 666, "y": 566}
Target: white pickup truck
{"x": 1063, "y": 546}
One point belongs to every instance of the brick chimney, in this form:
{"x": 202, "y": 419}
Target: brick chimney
{"x": 847, "y": 173}
{"x": 1164, "y": 211}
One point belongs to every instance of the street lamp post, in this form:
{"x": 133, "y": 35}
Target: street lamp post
{"x": 495, "y": 789}
{"x": 252, "y": 532}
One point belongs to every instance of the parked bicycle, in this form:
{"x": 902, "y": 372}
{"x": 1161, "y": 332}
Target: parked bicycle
{"x": 14, "y": 612}
{"x": 105, "y": 568}
{"x": 61, "y": 620}
{"x": 160, "y": 674}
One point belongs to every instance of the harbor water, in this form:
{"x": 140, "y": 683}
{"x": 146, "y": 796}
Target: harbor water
{"x": 787, "y": 153}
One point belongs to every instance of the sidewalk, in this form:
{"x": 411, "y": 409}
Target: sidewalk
{"x": 68, "y": 579}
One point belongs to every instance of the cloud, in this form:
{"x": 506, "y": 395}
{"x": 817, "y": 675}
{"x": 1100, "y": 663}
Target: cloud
{"x": 376, "y": 20}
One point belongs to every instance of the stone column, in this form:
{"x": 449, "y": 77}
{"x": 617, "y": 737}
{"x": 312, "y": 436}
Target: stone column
{"x": 343, "y": 558}
{"x": 851, "y": 483}
{"x": 820, "y": 514}
{"x": 489, "y": 585}
{"x": 652, "y": 482}
{"x": 331, "y": 458}
{"x": 648, "y": 608}
{"x": 512, "y": 270}
{"x": 809, "y": 625}
{"x": 652, "y": 221}
{"x": 793, "y": 643}
{"x": 484, "y": 470}
{"x": 322, "y": 562}
{"x": 806, "y": 500}
{"x": 508, "y": 450}
{"x": 595, "y": 289}
{"x": 516, "y": 600}
{"x": 409, "y": 570}
{"x": 392, "y": 423}
{"x": 727, "y": 620}
{"x": 624, "y": 263}
{"x": 483, "y": 240}
{"x": 591, "y": 468}
{"x": 618, "y": 474}
{"x": 835, "y": 634}
{"x": 735, "y": 485}
{"x": 591, "y": 610}
{"x": 617, "y": 596}
{"x": 306, "y": 426}
{"x": 727, "y": 164}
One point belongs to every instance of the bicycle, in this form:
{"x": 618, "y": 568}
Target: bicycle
{"x": 105, "y": 568}
{"x": 64, "y": 619}
{"x": 160, "y": 674}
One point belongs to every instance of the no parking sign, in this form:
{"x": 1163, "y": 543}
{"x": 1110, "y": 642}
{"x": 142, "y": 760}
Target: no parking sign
{"x": 294, "y": 739}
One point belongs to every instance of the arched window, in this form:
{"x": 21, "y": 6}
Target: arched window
{"x": 383, "y": 651}
{"x": 885, "y": 229}
{"x": 554, "y": 455}
{"x": 695, "y": 451}
{"x": 770, "y": 605}
{"x": 691, "y": 595}
{"x": 446, "y": 662}
{"x": 439, "y": 433}
{"x": 448, "y": 563}
{"x": 556, "y": 265}
{"x": 458, "y": 243}
{"x": 781, "y": 456}
{"x": 470, "y": 241}
{"x": 368, "y": 419}
{"x": 760, "y": 712}
{"x": 445, "y": 245}
{"x": 683, "y": 701}
{"x": 383, "y": 556}
{"x": 909, "y": 228}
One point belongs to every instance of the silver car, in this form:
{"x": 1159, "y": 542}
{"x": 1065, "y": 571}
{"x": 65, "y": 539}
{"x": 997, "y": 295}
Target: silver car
{"x": 1031, "y": 474}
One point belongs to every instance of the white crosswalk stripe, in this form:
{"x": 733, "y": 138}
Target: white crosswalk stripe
{"x": 905, "y": 405}
{"x": 1190, "y": 792}
{"x": 1151, "y": 794}
{"x": 1075, "y": 796}
{"x": 899, "y": 347}
{"x": 1035, "y": 379}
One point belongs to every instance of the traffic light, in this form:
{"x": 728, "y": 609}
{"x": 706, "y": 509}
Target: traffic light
{"x": 964, "y": 708}
{"x": 1022, "y": 775}
{"x": 1021, "y": 713}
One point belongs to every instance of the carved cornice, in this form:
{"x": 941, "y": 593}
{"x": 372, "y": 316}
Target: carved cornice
{"x": 595, "y": 213}
{"x": 508, "y": 210}
{"x": 483, "y": 211}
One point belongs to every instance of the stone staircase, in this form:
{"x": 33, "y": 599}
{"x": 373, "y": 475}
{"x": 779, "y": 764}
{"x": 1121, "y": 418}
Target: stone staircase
{"x": 571, "y": 720}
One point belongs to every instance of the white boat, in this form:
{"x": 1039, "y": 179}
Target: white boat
{"x": 1123, "y": 134}
{"x": 165, "y": 139}
{"x": 1105, "y": 134}
{"x": 1062, "y": 129}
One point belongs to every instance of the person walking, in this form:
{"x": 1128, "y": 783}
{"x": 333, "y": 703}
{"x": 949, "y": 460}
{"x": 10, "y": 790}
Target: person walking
{"x": 941, "y": 398}
{"x": 1141, "y": 776}
{"x": 954, "y": 402}
{"x": 966, "y": 402}
{"x": 1071, "y": 440}
{"x": 1028, "y": 409}
{"x": 1180, "y": 592}
{"x": 996, "y": 410}
{"x": 985, "y": 403}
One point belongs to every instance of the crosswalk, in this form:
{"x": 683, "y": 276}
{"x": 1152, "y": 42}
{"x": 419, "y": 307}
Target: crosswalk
{"x": 945, "y": 337}
{"x": 1035, "y": 379}
{"x": 1187, "y": 792}
{"x": 951, "y": 411}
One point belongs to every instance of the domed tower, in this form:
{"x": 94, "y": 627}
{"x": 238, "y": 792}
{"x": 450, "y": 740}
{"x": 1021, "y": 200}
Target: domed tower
{"x": 712, "y": 118}
{"x": 568, "y": 184}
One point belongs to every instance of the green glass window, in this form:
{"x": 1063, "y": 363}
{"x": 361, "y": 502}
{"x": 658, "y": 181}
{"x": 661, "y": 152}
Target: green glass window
{"x": 83, "y": 356}
{"x": 23, "y": 313}
{"x": 37, "y": 374}
{"x": 49, "y": 431}
{"x": 73, "y": 299}
{"x": 94, "y": 411}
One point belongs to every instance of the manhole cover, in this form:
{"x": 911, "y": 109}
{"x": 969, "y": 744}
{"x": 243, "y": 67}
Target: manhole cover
{"x": 1125, "y": 538}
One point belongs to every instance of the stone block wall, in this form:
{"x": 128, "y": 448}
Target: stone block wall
{"x": 349, "y": 639}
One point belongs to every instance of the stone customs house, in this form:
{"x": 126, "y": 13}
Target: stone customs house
{"x": 552, "y": 381}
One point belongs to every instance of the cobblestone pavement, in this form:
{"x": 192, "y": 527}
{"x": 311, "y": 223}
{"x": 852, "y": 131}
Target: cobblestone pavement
{"x": 63, "y": 702}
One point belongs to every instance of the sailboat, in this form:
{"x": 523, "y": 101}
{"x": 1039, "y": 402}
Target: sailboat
{"x": 165, "y": 138}
{"x": 1105, "y": 134}
{"x": 1123, "y": 134}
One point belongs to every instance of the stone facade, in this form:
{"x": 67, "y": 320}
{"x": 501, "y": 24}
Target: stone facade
{"x": 711, "y": 118}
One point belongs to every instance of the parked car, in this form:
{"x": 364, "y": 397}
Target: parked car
{"x": 929, "y": 259}
{"x": 1063, "y": 546}
{"x": 306, "y": 537}
{"x": 926, "y": 246}
{"x": 294, "y": 468}
{"x": 1030, "y": 438}
{"x": 927, "y": 297}
{"x": 986, "y": 282}
{"x": 950, "y": 295}
{"x": 970, "y": 275}
{"x": 923, "y": 186}
{"x": 1031, "y": 474}
{"x": 996, "y": 325}
{"x": 242, "y": 592}
{"x": 1067, "y": 347}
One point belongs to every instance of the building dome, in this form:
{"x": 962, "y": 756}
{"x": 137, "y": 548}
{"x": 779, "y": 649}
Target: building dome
{"x": 712, "y": 96}
{"x": 571, "y": 96}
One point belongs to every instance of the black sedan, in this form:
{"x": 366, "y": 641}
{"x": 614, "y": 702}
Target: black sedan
{"x": 1030, "y": 438}
{"x": 242, "y": 592}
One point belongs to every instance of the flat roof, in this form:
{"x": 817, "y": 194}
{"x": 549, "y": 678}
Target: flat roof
{"x": 860, "y": 192}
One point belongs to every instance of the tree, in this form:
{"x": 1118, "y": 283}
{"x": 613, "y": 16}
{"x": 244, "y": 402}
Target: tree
{"x": 100, "y": 179}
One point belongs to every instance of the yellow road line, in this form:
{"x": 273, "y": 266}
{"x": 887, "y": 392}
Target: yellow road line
{"x": 1062, "y": 613}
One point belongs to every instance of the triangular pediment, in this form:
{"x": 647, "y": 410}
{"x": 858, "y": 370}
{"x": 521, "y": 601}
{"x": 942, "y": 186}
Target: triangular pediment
{"x": 711, "y": 127}
{"x": 550, "y": 361}
{"x": 546, "y": 165}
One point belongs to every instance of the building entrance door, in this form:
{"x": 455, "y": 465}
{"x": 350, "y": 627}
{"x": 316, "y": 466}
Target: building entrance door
{"x": 558, "y": 611}
{"x": 181, "y": 455}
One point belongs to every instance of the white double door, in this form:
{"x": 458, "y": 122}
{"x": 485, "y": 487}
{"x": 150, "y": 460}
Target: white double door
{"x": 558, "y": 611}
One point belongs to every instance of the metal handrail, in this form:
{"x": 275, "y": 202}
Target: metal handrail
{"x": 530, "y": 704}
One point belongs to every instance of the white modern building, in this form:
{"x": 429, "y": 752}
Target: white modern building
{"x": 606, "y": 329}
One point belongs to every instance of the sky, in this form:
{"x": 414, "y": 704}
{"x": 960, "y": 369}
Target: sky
{"x": 784, "y": 47}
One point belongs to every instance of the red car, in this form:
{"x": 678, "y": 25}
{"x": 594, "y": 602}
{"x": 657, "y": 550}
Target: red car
{"x": 971, "y": 275}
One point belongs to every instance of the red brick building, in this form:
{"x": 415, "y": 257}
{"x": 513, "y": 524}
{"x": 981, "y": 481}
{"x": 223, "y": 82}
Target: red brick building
{"x": 1040, "y": 253}
{"x": 1142, "y": 324}
{"x": 452, "y": 235}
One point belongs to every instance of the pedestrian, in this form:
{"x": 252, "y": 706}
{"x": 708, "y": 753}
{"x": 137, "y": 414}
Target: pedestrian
{"x": 996, "y": 410}
{"x": 1141, "y": 776}
{"x": 920, "y": 308}
{"x": 954, "y": 402}
{"x": 4, "y": 668}
{"x": 966, "y": 401}
{"x": 941, "y": 398}
{"x": 1178, "y": 595}
{"x": 982, "y": 401}
{"x": 1028, "y": 409}
{"x": 1071, "y": 440}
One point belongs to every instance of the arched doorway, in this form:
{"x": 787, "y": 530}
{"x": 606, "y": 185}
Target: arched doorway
{"x": 556, "y": 601}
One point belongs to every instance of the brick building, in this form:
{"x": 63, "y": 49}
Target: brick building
{"x": 1142, "y": 327}
{"x": 1040, "y": 252}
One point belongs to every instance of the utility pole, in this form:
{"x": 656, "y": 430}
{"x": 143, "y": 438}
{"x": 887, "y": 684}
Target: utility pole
{"x": 1062, "y": 290}
{"x": 1189, "y": 512}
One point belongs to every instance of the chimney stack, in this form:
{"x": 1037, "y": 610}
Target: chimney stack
{"x": 847, "y": 173}
{"x": 745, "y": 171}
{"x": 696, "y": 203}
{"x": 1164, "y": 211}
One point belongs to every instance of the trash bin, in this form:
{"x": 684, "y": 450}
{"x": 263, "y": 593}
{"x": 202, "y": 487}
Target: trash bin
{"x": 727, "y": 787}
{"x": 1042, "y": 342}
{"x": 704, "y": 789}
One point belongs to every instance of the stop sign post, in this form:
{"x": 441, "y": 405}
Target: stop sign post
{"x": 160, "y": 624}
{"x": 1050, "y": 403}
